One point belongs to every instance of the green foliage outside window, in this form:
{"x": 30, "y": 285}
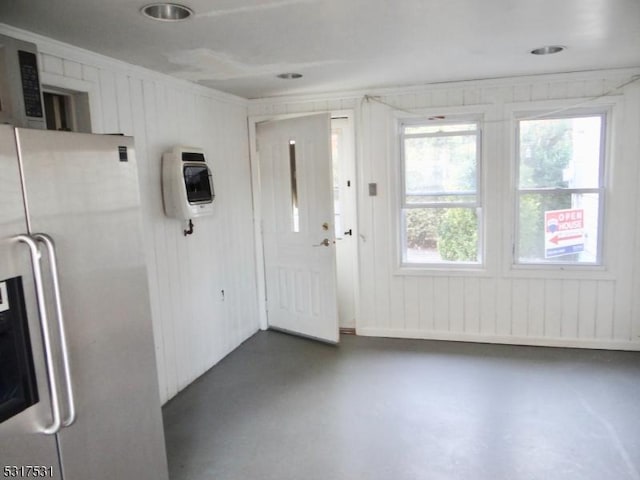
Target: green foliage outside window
{"x": 442, "y": 170}
{"x": 459, "y": 235}
{"x": 453, "y": 232}
{"x": 422, "y": 227}
{"x": 545, "y": 151}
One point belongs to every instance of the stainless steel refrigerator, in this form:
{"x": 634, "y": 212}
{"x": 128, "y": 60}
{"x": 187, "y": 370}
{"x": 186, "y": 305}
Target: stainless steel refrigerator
{"x": 78, "y": 386}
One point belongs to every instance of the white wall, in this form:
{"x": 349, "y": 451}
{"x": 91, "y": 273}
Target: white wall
{"x": 193, "y": 327}
{"x": 599, "y": 309}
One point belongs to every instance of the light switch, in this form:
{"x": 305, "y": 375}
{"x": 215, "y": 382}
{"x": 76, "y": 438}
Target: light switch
{"x": 373, "y": 189}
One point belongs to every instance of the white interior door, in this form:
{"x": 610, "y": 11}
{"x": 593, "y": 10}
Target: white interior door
{"x": 297, "y": 225}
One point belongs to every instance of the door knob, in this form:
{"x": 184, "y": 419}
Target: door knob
{"x": 323, "y": 243}
{"x": 349, "y": 232}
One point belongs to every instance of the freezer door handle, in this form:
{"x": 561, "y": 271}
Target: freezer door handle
{"x": 46, "y": 338}
{"x": 49, "y": 244}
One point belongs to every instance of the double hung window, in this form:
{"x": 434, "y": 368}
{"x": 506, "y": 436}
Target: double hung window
{"x": 441, "y": 202}
{"x": 560, "y": 190}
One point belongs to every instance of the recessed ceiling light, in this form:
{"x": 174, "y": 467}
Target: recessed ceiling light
{"x": 547, "y": 50}
{"x": 290, "y": 76}
{"x": 166, "y": 12}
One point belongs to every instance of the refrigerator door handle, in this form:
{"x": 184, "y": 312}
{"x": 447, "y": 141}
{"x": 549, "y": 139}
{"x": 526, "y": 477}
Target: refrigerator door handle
{"x": 51, "y": 251}
{"x": 46, "y": 338}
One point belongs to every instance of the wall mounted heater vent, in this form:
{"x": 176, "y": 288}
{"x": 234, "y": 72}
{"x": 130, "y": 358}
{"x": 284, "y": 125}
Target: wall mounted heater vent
{"x": 187, "y": 185}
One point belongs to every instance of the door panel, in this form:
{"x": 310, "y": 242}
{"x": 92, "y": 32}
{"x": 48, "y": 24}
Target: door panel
{"x": 297, "y": 223}
{"x": 85, "y": 196}
{"x": 22, "y": 442}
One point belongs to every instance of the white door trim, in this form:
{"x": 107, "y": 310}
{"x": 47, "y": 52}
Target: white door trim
{"x": 256, "y": 189}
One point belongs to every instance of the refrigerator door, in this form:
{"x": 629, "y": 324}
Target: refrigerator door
{"x": 82, "y": 190}
{"x": 25, "y": 402}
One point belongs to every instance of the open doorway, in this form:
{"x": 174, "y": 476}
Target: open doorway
{"x": 344, "y": 198}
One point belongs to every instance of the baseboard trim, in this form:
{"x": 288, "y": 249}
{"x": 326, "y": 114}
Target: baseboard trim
{"x": 500, "y": 339}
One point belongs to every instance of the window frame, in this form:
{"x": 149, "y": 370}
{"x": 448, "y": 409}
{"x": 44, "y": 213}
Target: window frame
{"x": 605, "y": 113}
{"x": 401, "y": 206}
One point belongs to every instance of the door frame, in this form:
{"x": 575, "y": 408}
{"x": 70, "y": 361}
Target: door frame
{"x": 256, "y": 189}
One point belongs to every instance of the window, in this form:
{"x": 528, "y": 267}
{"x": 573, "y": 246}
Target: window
{"x": 58, "y": 111}
{"x": 66, "y": 110}
{"x": 560, "y": 190}
{"x": 441, "y": 201}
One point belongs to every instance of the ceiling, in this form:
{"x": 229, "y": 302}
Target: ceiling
{"x": 239, "y": 46}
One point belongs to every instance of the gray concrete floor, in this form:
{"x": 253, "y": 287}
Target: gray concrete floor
{"x": 285, "y": 408}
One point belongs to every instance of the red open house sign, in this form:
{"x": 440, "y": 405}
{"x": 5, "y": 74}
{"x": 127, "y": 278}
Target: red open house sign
{"x": 563, "y": 232}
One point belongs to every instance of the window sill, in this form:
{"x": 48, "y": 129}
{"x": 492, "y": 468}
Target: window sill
{"x": 548, "y": 272}
{"x": 433, "y": 270}
{"x": 561, "y": 272}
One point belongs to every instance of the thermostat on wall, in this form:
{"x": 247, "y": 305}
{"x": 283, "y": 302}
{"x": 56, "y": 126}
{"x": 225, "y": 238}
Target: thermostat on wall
{"x": 187, "y": 185}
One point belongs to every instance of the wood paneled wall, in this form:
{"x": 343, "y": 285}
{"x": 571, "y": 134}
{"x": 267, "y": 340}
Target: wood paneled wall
{"x": 596, "y": 308}
{"x": 195, "y": 324}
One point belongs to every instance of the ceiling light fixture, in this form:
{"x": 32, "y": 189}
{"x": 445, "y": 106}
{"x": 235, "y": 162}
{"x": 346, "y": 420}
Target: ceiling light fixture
{"x": 548, "y": 50}
{"x": 289, "y": 76}
{"x": 166, "y": 12}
